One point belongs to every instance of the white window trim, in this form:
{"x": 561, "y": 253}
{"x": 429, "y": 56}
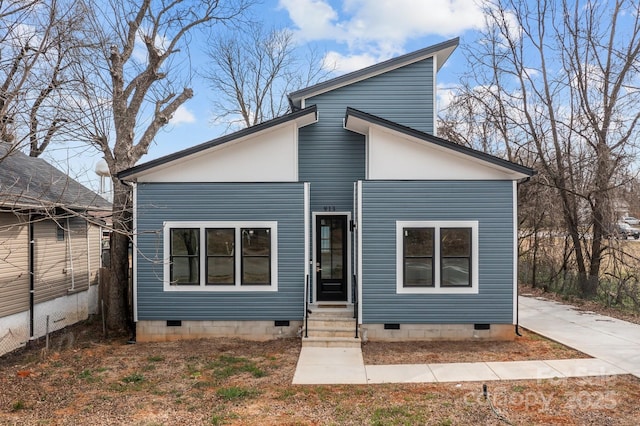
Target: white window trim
{"x": 202, "y": 226}
{"x": 436, "y": 289}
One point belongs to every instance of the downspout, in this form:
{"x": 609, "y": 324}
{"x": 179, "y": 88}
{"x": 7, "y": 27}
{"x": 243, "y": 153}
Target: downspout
{"x": 517, "y": 305}
{"x": 32, "y": 279}
{"x": 133, "y": 243}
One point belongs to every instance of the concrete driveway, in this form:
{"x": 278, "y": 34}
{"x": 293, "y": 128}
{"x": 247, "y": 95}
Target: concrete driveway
{"x": 605, "y": 338}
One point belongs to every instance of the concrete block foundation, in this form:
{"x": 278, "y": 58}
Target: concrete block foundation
{"x": 159, "y": 331}
{"x": 422, "y": 332}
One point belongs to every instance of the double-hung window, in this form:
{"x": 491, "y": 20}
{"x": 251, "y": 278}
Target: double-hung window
{"x": 256, "y": 256}
{"x": 185, "y": 256}
{"x": 437, "y": 257}
{"x": 220, "y": 256}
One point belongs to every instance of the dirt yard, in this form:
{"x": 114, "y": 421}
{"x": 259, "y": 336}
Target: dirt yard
{"x": 215, "y": 382}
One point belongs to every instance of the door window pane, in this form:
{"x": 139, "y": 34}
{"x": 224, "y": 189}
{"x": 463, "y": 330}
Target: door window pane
{"x": 331, "y": 249}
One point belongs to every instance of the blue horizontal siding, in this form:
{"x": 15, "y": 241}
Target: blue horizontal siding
{"x": 332, "y": 158}
{"x": 280, "y": 202}
{"x": 488, "y": 202}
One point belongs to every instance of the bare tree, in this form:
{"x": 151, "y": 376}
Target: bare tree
{"x": 558, "y": 79}
{"x": 38, "y": 45}
{"x": 253, "y": 70}
{"x": 130, "y": 93}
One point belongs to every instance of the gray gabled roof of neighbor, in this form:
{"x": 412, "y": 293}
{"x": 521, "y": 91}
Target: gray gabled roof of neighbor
{"x": 217, "y": 142}
{"x": 370, "y": 118}
{"x": 441, "y": 50}
{"x": 28, "y": 183}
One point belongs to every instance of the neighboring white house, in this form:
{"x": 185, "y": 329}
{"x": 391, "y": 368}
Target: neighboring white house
{"x": 49, "y": 249}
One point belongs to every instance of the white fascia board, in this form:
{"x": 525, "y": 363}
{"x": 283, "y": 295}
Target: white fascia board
{"x": 358, "y": 125}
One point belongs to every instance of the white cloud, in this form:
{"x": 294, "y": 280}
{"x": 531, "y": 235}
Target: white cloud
{"x": 182, "y": 116}
{"x": 445, "y": 95}
{"x": 381, "y": 26}
{"x": 342, "y": 64}
{"x": 315, "y": 18}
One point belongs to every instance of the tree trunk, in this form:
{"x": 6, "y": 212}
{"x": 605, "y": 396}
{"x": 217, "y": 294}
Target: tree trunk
{"x": 119, "y": 316}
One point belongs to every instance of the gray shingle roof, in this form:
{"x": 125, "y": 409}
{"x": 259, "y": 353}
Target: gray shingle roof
{"x": 32, "y": 183}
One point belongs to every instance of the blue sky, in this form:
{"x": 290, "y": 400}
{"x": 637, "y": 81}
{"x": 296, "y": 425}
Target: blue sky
{"x": 352, "y": 33}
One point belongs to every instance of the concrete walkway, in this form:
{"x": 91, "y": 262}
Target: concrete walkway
{"x": 614, "y": 344}
{"x": 605, "y": 338}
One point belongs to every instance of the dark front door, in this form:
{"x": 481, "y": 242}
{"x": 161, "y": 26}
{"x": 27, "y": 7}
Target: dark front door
{"x": 331, "y": 258}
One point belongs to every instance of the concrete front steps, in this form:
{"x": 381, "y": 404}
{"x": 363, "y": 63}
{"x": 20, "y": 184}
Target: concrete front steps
{"x": 331, "y": 326}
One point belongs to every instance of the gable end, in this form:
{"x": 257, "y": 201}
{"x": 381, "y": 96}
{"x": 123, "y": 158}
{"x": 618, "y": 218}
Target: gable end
{"x": 372, "y": 127}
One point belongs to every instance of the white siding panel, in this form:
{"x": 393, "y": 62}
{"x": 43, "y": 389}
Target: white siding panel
{"x": 391, "y": 156}
{"x": 267, "y": 157}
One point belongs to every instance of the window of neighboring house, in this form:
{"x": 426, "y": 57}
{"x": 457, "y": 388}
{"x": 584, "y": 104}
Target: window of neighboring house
{"x": 437, "y": 257}
{"x": 204, "y": 256}
{"x": 60, "y": 233}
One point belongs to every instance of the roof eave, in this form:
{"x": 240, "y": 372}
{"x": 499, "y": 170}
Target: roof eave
{"x": 18, "y": 206}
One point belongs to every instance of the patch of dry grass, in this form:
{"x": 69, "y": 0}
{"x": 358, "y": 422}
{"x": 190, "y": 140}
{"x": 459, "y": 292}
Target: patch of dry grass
{"x": 227, "y": 381}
